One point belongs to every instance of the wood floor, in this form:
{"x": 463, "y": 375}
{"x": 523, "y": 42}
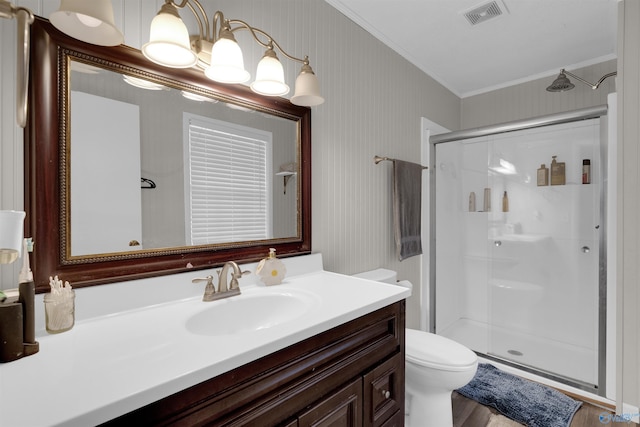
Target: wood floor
{"x": 469, "y": 413}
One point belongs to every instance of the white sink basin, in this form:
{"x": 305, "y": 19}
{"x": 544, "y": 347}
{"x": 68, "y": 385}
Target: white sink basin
{"x": 254, "y": 310}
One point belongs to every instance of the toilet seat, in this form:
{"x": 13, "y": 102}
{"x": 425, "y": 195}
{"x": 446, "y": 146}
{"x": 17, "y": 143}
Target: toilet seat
{"x": 437, "y": 352}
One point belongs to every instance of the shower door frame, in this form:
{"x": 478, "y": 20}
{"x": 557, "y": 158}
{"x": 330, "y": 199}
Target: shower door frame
{"x": 536, "y": 122}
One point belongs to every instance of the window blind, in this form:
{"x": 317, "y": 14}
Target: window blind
{"x": 227, "y": 182}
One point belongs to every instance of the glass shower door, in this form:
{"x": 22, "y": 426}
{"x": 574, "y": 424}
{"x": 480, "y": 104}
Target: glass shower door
{"x": 518, "y": 273}
{"x": 543, "y": 243}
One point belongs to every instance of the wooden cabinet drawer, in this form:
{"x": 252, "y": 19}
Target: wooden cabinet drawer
{"x": 344, "y": 408}
{"x": 384, "y": 391}
{"x": 397, "y": 420}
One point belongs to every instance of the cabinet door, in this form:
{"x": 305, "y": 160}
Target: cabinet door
{"x": 384, "y": 391}
{"x": 342, "y": 409}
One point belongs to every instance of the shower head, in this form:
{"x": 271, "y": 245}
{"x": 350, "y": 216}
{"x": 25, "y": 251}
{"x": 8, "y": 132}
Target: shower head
{"x": 561, "y": 84}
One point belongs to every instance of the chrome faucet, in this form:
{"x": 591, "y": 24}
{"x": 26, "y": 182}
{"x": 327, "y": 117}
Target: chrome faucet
{"x": 224, "y": 290}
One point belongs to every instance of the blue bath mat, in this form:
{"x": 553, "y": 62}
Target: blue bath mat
{"x": 526, "y": 402}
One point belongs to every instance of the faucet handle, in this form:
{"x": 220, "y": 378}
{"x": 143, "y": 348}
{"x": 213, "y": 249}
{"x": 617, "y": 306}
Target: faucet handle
{"x": 234, "y": 278}
{"x": 209, "y": 290}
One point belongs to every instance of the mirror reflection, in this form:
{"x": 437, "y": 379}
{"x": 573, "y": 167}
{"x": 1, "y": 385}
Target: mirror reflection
{"x": 154, "y": 167}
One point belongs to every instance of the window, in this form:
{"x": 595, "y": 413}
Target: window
{"x": 227, "y": 189}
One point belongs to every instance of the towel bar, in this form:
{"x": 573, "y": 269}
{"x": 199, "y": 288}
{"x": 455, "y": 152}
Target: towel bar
{"x": 378, "y": 159}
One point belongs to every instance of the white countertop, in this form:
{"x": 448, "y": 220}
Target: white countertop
{"x": 122, "y": 355}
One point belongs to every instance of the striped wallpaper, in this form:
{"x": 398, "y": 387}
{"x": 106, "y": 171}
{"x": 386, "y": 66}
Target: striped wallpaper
{"x": 375, "y": 100}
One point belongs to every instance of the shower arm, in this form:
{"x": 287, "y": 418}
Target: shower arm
{"x": 593, "y": 86}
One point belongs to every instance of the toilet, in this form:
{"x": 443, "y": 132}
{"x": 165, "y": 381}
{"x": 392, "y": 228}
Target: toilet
{"x": 434, "y": 367}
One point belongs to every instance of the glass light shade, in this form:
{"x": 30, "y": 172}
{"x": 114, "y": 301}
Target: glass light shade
{"x": 270, "y": 77}
{"x": 169, "y": 43}
{"x": 89, "y": 21}
{"x": 11, "y": 224}
{"x": 143, "y": 84}
{"x": 198, "y": 98}
{"x": 307, "y": 91}
{"x": 227, "y": 64}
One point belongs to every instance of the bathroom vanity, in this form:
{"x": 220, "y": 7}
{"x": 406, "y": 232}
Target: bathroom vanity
{"x": 352, "y": 375}
{"x": 317, "y": 349}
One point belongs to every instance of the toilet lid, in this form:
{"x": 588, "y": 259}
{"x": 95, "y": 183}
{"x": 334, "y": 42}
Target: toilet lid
{"x": 435, "y": 351}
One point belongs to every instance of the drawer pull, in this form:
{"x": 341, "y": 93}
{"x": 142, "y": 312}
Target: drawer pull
{"x": 386, "y": 394}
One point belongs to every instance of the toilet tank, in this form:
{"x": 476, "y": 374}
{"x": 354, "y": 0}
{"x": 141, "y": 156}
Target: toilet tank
{"x": 379, "y": 275}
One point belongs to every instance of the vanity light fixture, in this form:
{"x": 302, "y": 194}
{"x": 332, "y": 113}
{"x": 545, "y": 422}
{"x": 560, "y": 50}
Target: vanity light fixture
{"x": 24, "y": 17}
{"x": 169, "y": 43}
{"x": 220, "y": 56}
{"x": 562, "y": 82}
{"x": 88, "y": 21}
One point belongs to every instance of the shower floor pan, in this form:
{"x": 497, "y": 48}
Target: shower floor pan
{"x": 566, "y": 363}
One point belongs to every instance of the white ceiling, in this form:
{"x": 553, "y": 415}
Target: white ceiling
{"x": 531, "y": 38}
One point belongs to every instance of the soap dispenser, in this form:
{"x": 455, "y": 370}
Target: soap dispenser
{"x": 271, "y": 270}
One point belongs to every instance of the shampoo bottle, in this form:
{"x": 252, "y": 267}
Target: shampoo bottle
{"x": 505, "y": 202}
{"x": 543, "y": 175}
{"x": 557, "y": 172}
{"x": 487, "y": 200}
{"x": 586, "y": 171}
{"x": 271, "y": 270}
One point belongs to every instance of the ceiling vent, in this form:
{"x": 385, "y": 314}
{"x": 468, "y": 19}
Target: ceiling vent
{"x": 485, "y": 12}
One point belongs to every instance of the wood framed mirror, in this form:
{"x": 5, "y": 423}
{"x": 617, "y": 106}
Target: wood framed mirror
{"x": 88, "y": 129}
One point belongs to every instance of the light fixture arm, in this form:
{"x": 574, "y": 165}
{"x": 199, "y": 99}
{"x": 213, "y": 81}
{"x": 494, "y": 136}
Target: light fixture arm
{"x": 270, "y": 44}
{"x": 203, "y": 21}
{"x": 200, "y": 15}
{"x": 209, "y": 31}
{"x": 25, "y": 18}
{"x": 593, "y": 86}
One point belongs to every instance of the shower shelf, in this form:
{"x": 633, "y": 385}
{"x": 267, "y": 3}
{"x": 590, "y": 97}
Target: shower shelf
{"x": 568, "y": 184}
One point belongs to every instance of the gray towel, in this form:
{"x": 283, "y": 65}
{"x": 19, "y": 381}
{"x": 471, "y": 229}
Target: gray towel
{"x": 407, "y": 192}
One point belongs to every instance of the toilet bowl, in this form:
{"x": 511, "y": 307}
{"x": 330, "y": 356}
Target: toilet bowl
{"x": 434, "y": 367}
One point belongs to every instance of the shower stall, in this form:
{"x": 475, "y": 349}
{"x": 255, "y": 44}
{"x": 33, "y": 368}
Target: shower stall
{"x": 518, "y": 264}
